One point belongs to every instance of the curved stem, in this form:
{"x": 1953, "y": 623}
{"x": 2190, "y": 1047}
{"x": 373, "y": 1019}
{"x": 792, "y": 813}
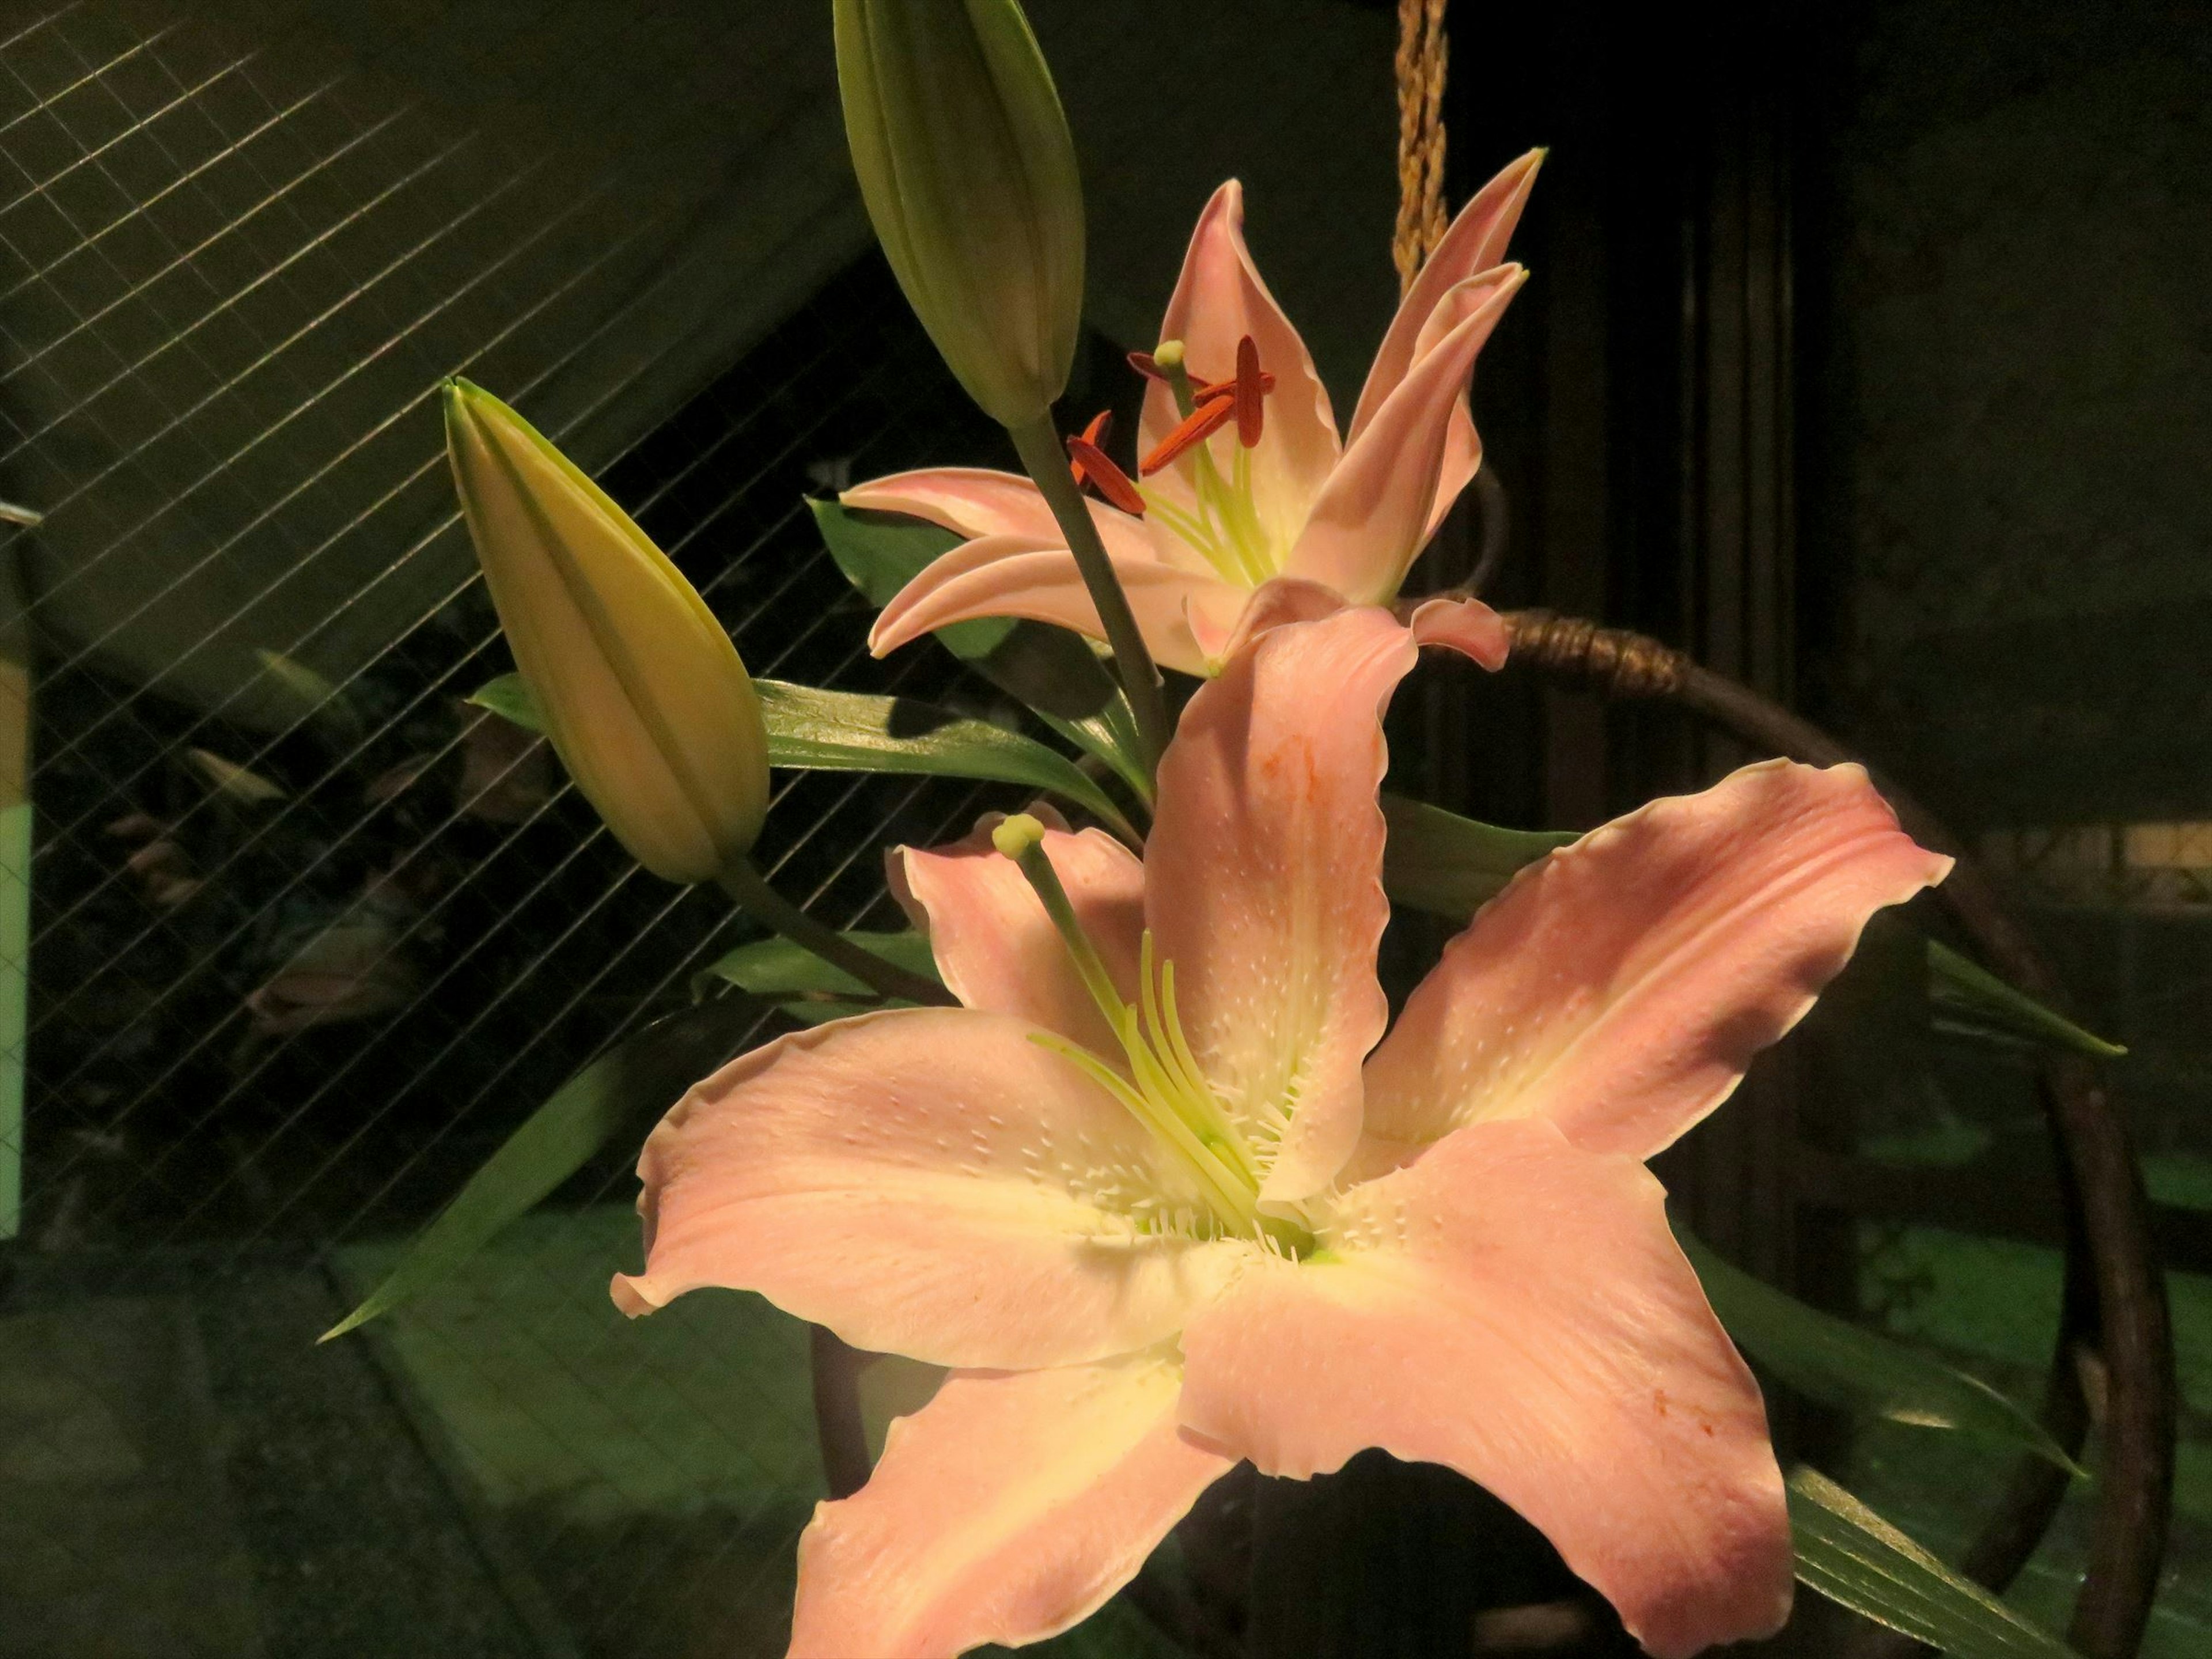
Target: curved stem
{"x": 744, "y": 884}
{"x": 1038, "y": 444}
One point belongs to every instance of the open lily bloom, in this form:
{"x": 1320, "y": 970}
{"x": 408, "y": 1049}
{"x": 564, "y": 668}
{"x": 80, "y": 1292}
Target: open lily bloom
{"x": 1222, "y": 517}
{"x": 1165, "y": 1196}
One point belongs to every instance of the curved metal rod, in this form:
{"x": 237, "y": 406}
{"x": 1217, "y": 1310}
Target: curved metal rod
{"x": 2120, "y": 1285}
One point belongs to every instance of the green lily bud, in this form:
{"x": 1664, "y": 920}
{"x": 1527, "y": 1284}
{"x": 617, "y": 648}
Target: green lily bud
{"x": 641, "y": 692}
{"x": 969, "y": 171}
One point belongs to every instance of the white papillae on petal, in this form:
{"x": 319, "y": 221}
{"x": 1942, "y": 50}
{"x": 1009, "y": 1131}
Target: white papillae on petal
{"x": 1007, "y": 1509}
{"x": 997, "y": 950}
{"x": 1263, "y": 880}
{"x": 1515, "y": 1309}
{"x": 974, "y": 501}
{"x": 1372, "y": 516}
{"x": 1218, "y": 298}
{"x": 1620, "y": 986}
{"x": 1003, "y": 576}
{"x": 930, "y": 1183}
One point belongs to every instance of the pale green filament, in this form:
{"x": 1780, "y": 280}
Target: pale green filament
{"x": 1163, "y": 1088}
{"x": 1226, "y": 528}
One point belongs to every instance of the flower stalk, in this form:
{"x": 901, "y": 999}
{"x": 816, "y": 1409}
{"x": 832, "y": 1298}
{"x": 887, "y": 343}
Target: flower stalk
{"x": 744, "y": 884}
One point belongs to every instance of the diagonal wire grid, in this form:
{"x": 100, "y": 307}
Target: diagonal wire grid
{"x": 310, "y": 935}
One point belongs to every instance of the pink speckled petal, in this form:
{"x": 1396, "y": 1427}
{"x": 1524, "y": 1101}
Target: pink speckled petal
{"x": 929, "y": 1182}
{"x": 1219, "y": 299}
{"x": 1466, "y": 626}
{"x": 1620, "y": 986}
{"x": 1281, "y": 599}
{"x": 1475, "y": 242}
{"x": 1373, "y": 515}
{"x": 1011, "y": 576}
{"x": 1007, "y": 1509}
{"x": 974, "y": 501}
{"x": 1263, "y": 881}
{"x": 997, "y": 950}
{"x": 1515, "y": 1309}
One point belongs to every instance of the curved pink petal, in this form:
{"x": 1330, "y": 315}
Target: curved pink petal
{"x": 1620, "y": 986}
{"x": 1006, "y": 1510}
{"x": 1466, "y": 626}
{"x": 1263, "y": 881}
{"x": 928, "y": 1181}
{"x": 1475, "y": 242}
{"x": 1278, "y": 600}
{"x": 997, "y": 950}
{"x": 1009, "y": 576}
{"x": 1372, "y": 516}
{"x": 1218, "y": 298}
{"x": 975, "y": 500}
{"x": 1517, "y": 1309}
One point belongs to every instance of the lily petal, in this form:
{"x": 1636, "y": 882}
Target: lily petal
{"x": 1218, "y": 298}
{"x": 928, "y": 1181}
{"x": 1466, "y": 626}
{"x": 1372, "y": 517}
{"x": 998, "y": 951}
{"x": 1011, "y": 576}
{"x": 1517, "y": 1309}
{"x": 1263, "y": 881}
{"x": 1475, "y": 242}
{"x": 1007, "y": 1509}
{"x": 1621, "y": 986}
{"x": 974, "y": 501}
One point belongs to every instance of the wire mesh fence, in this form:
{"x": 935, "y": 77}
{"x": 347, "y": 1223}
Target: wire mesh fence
{"x": 309, "y": 932}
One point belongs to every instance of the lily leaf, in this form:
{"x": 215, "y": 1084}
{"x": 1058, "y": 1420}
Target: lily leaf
{"x": 808, "y": 988}
{"x": 1851, "y": 1555}
{"x": 1848, "y": 1366}
{"x": 510, "y": 697}
{"x": 1449, "y": 865}
{"x": 625, "y": 1087}
{"x": 1968, "y": 1001}
{"x": 851, "y": 732}
{"x": 1047, "y": 668}
{"x": 1111, "y": 735}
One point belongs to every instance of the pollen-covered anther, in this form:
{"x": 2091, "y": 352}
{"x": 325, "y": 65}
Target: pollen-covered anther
{"x": 1201, "y": 423}
{"x": 1091, "y": 465}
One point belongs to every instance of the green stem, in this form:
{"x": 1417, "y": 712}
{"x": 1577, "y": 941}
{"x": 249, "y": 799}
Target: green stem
{"x": 1038, "y": 444}
{"x": 744, "y": 884}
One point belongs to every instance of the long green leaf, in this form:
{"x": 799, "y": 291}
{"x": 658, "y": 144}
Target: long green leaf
{"x": 1848, "y": 1366}
{"x": 1968, "y": 1001}
{"x": 630, "y": 1083}
{"x": 1048, "y": 668}
{"x": 1449, "y": 865}
{"x": 1851, "y": 1555}
{"x": 806, "y": 987}
{"x": 851, "y": 732}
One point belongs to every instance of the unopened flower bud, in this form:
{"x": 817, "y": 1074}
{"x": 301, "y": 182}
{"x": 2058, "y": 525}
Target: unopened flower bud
{"x": 640, "y": 691}
{"x": 969, "y": 171}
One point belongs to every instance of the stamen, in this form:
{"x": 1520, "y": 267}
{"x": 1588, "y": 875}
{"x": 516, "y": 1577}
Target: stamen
{"x": 1142, "y": 362}
{"x": 1248, "y": 394}
{"x": 1091, "y": 465}
{"x": 1228, "y": 387}
{"x": 1195, "y": 429}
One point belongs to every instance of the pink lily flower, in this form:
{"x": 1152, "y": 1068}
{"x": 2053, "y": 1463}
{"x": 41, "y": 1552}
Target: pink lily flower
{"x": 1162, "y": 1202}
{"x": 1221, "y": 519}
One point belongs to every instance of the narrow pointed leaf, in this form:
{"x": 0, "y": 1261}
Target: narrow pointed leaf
{"x": 510, "y": 697}
{"x": 1968, "y": 1001}
{"x": 1111, "y": 735}
{"x": 1855, "y": 1369}
{"x": 627, "y": 1087}
{"x": 1046, "y": 668}
{"x": 1449, "y": 865}
{"x": 1851, "y": 1555}
{"x": 808, "y": 988}
{"x": 815, "y": 730}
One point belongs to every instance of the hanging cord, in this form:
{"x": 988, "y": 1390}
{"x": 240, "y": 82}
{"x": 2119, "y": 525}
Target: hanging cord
{"x": 1421, "y": 57}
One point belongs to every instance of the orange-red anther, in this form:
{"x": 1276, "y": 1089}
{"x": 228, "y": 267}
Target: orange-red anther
{"x": 1143, "y": 364}
{"x": 1249, "y": 393}
{"x": 1093, "y": 466}
{"x": 1094, "y": 437}
{"x": 1228, "y": 388}
{"x": 1201, "y": 423}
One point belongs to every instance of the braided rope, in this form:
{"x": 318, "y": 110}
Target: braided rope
{"x": 1421, "y": 58}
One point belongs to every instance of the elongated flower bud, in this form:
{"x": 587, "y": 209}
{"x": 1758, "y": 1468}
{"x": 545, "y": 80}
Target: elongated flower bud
{"x": 969, "y": 171}
{"x": 640, "y": 691}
